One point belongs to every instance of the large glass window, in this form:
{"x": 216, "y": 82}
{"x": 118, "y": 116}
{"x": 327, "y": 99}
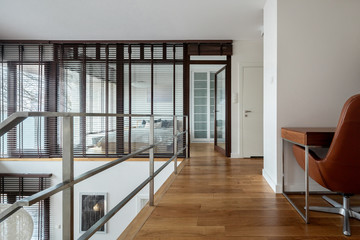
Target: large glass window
{"x": 90, "y": 78}
{"x": 14, "y": 187}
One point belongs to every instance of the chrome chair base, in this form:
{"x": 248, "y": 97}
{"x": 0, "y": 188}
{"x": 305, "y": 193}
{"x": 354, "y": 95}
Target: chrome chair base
{"x": 343, "y": 209}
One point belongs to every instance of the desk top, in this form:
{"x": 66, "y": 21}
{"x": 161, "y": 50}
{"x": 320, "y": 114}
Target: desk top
{"x": 309, "y": 136}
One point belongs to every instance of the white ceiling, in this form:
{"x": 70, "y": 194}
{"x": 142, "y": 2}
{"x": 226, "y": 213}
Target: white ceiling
{"x": 130, "y": 19}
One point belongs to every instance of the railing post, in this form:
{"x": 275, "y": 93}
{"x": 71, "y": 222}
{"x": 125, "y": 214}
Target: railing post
{"x": 68, "y": 175}
{"x": 151, "y": 162}
{"x": 187, "y": 137}
{"x": 175, "y": 145}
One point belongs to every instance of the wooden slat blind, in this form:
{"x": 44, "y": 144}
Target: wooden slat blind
{"x": 14, "y": 187}
{"x": 93, "y": 78}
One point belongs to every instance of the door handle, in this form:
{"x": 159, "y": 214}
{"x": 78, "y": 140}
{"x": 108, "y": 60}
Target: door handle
{"x": 248, "y": 111}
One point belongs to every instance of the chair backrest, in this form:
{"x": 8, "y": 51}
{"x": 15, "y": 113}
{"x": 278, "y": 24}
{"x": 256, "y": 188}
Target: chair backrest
{"x": 341, "y": 167}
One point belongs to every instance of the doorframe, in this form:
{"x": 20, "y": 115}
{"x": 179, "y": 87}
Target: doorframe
{"x": 228, "y": 106}
{"x": 208, "y": 68}
{"x": 216, "y": 147}
{"x": 227, "y": 150}
{"x": 187, "y": 99}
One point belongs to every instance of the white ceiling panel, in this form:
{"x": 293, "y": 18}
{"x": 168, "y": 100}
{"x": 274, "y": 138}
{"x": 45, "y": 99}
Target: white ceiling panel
{"x": 130, "y": 19}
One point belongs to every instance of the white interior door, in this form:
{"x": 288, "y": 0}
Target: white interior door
{"x": 253, "y": 112}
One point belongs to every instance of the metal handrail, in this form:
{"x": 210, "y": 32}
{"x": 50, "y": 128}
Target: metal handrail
{"x": 68, "y": 166}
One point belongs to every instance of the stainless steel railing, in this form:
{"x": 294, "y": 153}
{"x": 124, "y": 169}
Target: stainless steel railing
{"x": 67, "y": 185}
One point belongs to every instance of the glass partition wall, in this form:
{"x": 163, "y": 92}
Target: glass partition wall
{"x": 91, "y": 78}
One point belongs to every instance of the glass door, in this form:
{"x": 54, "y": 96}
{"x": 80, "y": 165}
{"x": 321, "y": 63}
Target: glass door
{"x": 220, "y": 111}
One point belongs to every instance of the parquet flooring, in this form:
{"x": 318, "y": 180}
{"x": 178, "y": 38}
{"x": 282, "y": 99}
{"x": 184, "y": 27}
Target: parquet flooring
{"x": 215, "y": 197}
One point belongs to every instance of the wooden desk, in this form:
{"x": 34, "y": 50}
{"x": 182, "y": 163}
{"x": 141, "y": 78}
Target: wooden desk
{"x": 307, "y": 138}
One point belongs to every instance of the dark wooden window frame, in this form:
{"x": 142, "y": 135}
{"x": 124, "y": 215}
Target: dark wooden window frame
{"x": 22, "y": 192}
{"x": 49, "y": 135}
{"x": 192, "y": 47}
{"x": 120, "y": 62}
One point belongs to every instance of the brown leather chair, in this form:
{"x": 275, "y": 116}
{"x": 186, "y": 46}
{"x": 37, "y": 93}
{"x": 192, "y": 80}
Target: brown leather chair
{"x": 339, "y": 171}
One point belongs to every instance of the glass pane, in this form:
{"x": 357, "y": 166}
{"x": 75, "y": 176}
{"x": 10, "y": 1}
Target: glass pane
{"x": 200, "y": 92}
{"x": 200, "y": 105}
{"x": 200, "y": 84}
{"x": 70, "y": 100}
{"x": 200, "y": 101}
{"x": 220, "y": 110}
{"x": 212, "y": 103}
{"x": 200, "y": 134}
{"x": 163, "y": 104}
{"x": 30, "y": 89}
{"x": 200, "y": 109}
{"x": 200, "y": 117}
{"x": 200, "y": 126}
{"x": 200, "y": 76}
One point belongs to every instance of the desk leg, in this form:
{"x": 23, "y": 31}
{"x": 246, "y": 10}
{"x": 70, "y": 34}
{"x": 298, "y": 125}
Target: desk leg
{"x": 307, "y": 184}
{"x": 304, "y": 215}
{"x": 283, "y": 164}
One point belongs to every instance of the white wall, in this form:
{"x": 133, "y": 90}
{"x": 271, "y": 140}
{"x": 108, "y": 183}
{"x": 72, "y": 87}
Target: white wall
{"x": 117, "y": 182}
{"x": 245, "y": 54}
{"x": 270, "y": 170}
{"x": 318, "y": 59}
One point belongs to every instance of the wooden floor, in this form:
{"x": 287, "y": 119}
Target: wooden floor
{"x": 215, "y": 197}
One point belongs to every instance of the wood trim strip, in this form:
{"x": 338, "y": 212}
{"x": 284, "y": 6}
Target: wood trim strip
{"x": 138, "y": 222}
{"x": 228, "y": 107}
{"x": 111, "y": 41}
{"x": 186, "y": 92}
{"x": 83, "y": 103}
{"x": 130, "y": 98}
{"x": 215, "y": 62}
{"x": 26, "y": 175}
{"x": 120, "y": 98}
{"x": 152, "y": 78}
{"x": 83, "y": 159}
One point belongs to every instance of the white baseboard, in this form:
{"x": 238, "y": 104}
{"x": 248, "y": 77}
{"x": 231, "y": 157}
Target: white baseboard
{"x": 275, "y": 187}
{"x": 236, "y": 155}
{"x": 313, "y": 186}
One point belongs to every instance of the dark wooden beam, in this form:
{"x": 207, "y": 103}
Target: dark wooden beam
{"x": 113, "y": 41}
{"x": 218, "y": 48}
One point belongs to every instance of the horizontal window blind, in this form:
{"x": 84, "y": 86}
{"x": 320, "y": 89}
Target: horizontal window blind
{"x": 92, "y": 78}
{"x": 14, "y": 187}
{"x": 25, "y": 85}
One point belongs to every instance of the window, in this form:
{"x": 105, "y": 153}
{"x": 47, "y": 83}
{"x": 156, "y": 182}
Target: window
{"x": 92, "y": 78}
{"x": 14, "y": 187}
{"x": 24, "y": 80}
